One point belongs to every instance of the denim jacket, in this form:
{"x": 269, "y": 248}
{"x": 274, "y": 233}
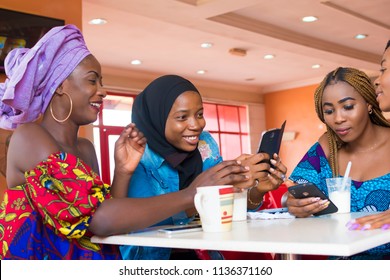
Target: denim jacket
{"x": 154, "y": 176}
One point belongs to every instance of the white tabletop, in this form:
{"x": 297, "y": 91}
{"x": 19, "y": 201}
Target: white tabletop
{"x": 325, "y": 235}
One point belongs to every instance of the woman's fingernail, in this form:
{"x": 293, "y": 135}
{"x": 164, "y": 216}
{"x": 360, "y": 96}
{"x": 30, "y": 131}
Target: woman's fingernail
{"x": 314, "y": 199}
{"x": 350, "y": 223}
{"x": 385, "y": 226}
{"x": 273, "y": 161}
{"x": 353, "y": 226}
{"x": 325, "y": 205}
{"x": 365, "y": 227}
{"x": 324, "y": 202}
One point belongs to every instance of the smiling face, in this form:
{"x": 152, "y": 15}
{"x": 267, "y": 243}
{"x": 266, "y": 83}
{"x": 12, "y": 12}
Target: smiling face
{"x": 83, "y": 85}
{"x": 185, "y": 121}
{"x": 383, "y": 83}
{"x": 345, "y": 111}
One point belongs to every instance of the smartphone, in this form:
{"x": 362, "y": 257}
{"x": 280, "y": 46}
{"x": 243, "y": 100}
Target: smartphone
{"x": 181, "y": 229}
{"x": 271, "y": 140}
{"x": 274, "y": 210}
{"x": 311, "y": 190}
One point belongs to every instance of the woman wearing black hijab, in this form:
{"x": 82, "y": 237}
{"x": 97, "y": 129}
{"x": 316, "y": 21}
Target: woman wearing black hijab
{"x": 180, "y": 154}
{"x": 150, "y": 112}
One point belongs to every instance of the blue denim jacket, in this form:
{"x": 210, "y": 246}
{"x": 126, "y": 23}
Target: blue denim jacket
{"x": 154, "y": 176}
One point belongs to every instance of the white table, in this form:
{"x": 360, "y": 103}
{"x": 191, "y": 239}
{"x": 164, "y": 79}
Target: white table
{"x": 325, "y": 235}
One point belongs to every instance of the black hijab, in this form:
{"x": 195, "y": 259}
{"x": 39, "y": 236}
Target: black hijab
{"x": 150, "y": 112}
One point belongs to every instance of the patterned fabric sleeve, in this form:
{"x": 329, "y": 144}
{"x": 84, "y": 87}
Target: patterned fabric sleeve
{"x": 66, "y": 192}
{"x": 209, "y": 150}
{"x": 313, "y": 168}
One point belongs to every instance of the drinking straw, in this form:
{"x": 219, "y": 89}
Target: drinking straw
{"x": 346, "y": 174}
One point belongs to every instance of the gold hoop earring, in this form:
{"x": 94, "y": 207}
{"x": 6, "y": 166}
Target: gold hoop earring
{"x": 70, "y": 111}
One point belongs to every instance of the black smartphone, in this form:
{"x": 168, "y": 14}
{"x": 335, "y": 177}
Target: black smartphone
{"x": 311, "y": 190}
{"x": 271, "y": 140}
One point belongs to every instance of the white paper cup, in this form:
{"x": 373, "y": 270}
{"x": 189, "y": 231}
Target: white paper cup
{"x": 240, "y": 205}
{"x": 215, "y": 207}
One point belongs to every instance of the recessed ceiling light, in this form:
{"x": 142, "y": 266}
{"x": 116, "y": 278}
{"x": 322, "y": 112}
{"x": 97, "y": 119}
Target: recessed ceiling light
{"x": 206, "y": 45}
{"x": 269, "y": 56}
{"x": 136, "y": 62}
{"x": 361, "y": 36}
{"x": 201, "y": 72}
{"x": 309, "y": 19}
{"x": 98, "y": 21}
{"x": 316, "y": 66}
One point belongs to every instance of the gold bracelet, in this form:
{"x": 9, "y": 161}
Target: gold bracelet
{"x": 249, "y": 195}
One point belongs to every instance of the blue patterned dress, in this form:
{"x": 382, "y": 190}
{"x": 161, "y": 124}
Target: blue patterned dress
{"x": 368, "y": 196}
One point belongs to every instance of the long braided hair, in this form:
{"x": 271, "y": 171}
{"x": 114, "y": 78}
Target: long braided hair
{"x": 364, "y": 86}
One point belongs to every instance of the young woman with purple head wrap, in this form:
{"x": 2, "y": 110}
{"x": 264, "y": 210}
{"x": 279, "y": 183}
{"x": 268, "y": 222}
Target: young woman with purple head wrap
{"x": 55, "y": 199}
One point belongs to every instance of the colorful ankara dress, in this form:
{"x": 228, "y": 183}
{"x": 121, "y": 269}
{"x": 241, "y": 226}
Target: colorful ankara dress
{"x": 369, "y": 196}
{"x": 48, "y": 217}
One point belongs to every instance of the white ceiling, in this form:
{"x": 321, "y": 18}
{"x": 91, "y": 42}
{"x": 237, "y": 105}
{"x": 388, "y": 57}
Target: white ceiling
{"x": 166, "y": 35}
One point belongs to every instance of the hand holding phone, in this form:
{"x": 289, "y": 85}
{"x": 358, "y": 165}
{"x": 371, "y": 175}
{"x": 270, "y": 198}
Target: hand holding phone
{"x": 271, "y": 140}
{"x": 311, "y": 190}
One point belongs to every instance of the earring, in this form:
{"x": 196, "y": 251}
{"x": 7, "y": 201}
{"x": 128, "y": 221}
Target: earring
{"x": 70, "y": 111}
{"x": 370, "y": 111}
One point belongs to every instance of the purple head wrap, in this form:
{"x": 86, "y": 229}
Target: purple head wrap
{"x": 34, "y": 74}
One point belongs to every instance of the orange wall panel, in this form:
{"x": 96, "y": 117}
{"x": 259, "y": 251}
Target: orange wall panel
{"x": 68, "y": 10}
{"x": 297, "y": 107}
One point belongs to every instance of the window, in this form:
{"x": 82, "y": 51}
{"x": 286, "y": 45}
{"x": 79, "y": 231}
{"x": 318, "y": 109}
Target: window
{"x": 115, "y": 115}
{"x": 228, "y": 124}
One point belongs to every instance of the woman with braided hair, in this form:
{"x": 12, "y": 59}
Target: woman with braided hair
{"x": 382, "y": 83}
{"x": 345, "y": 102}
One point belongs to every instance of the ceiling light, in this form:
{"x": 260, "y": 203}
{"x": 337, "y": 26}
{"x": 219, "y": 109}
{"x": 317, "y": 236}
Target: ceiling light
{"x": 136, "y": 62}
{"x": 98, "y": 21}
{"x": 206, "y": 45}
{"x": 309, "y": 19}
{"x": 201, "y": 72}
{"x": 269, "y": 56}
{"x": 316, "y": 66}
{"x": 361, "y": 36}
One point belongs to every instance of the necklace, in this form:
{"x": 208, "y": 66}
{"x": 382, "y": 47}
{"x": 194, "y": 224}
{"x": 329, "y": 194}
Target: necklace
{"x": 376, "y": 144}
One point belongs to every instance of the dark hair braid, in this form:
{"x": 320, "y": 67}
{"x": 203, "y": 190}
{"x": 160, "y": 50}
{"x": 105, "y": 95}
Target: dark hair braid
{"x": 364, "y": 86}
